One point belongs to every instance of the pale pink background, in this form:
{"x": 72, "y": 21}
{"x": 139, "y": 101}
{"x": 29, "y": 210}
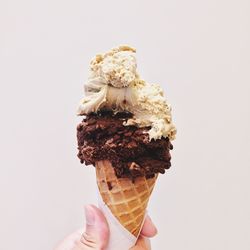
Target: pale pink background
{"x": 198, "y": 50}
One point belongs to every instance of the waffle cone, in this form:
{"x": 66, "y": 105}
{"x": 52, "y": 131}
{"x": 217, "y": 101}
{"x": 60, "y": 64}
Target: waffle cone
{"x": 127, "y": 200}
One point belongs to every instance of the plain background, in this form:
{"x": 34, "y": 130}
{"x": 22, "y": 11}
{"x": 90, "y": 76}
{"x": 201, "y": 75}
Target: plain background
{"x": 198, "y": 50}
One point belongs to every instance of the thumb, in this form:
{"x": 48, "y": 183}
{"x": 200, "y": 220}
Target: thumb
{"x": 96, "y": 234}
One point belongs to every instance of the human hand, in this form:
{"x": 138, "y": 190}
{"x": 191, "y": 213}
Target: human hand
{"x": 96, "y": 233}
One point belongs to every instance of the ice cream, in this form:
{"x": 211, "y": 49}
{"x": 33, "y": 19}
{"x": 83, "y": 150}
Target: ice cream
{"x": 126, "y": 134}
{"x": 114, "y": 84}
{"x": 103, "y": 136}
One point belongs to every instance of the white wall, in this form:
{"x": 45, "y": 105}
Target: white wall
{"x": 198, "y": 50}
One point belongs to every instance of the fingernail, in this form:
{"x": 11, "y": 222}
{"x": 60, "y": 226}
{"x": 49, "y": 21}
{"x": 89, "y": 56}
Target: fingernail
{"x": 90, "y": 216}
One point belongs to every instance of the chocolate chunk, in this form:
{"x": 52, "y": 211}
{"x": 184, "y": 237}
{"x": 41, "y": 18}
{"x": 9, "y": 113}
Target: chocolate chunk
{"x": 129, "y": 133}
{"x": 109, "y": 185}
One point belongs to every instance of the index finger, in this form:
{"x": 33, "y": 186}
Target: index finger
{"x": 148, "y": 229}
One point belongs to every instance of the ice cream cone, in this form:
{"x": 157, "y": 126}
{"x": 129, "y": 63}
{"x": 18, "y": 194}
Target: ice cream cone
{"x": 127, "y": 200}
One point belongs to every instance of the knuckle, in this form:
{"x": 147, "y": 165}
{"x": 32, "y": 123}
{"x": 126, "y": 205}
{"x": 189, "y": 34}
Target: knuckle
{"x": 90, "y": 242}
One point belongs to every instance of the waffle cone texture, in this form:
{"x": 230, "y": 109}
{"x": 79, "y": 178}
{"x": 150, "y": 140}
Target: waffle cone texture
{"x": 126, "y": 200}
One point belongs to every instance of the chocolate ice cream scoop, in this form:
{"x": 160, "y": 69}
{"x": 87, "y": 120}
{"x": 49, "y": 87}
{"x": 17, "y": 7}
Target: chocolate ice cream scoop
{"x": 102, "y": 136}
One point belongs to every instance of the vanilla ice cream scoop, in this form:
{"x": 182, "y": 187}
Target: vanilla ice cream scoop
{"x": 115, "y": 84}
